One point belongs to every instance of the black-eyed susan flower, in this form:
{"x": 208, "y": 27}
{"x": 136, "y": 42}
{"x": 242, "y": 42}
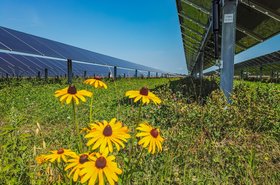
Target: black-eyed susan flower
{"x": 96, "y": 82}
{"x": 41, "y": 159}
{"x": 99, "y": 166}
{"x": 104, "y": 134}
{"x": 76, "y": 163}
{"x": 57, "y": 155}
{"x": 70, "y": 94}
{"x": 151, "y": 137}
{"x": 144, "y": 95}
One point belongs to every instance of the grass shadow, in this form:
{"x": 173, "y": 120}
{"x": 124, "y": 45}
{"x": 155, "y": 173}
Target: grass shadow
{"x": 195, "y": 90}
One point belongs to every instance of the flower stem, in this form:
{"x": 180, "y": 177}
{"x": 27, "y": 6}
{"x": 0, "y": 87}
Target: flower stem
{"x": 76, "y": 125}
{"x": 139, "y": 113}
{"x": 133, "y": 138}
{"x": 90, "y": 108}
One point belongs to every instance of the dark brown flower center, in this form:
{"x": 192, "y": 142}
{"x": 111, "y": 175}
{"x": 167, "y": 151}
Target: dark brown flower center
{"x": 100, "y": 163}
{"x": 154, "y": 133}
{"x": 144, "y": 91}
{"x": 98, "y": 78}
{"x": 60, "y": 151}
{"x": 83, "y": 158}
{"x": 107, "y": 131}
{"x": 72, "y": 89}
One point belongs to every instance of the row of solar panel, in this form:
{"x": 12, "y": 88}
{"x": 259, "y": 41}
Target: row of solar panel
{"x": 257, "y": 21}
{"x": 13, "y": 40}
{"x": 19, "y": 65}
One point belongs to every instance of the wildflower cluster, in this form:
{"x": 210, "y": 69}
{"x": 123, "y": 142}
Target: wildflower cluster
{"x": 105, "y": 139}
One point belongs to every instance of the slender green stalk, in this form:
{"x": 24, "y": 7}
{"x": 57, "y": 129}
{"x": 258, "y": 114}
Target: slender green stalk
{"x": 90, "y": 108}
{"x": 133, "y": 138}
{"x": 139, "y": 113}
{"x": 133, "y": 167}
{"x": 76, "y": 125}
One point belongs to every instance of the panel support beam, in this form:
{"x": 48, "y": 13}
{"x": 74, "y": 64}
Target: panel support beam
{"x": 249, "y": 33}
{"x": 205, "y": 39}
{"x": 192, "y": 30}
{"x": 228, "y": 46}
{"x": 201, "y": 9}
{"x": 191, "y": 38}
{"x": 193, "y": 21}
{"x": 261, "y": 9}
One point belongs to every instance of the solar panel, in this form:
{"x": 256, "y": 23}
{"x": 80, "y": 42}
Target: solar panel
{"x": 257, "y": 21}
{"x": 19, "y": 65}
{"x": 269, "y": 62}
{"x": 13, "y": 40}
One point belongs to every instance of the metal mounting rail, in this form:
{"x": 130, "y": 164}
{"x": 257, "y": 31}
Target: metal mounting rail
{"x": 261, "y": 9}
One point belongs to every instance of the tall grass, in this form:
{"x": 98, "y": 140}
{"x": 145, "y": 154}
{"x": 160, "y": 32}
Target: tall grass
{"x": 207, "y": 141}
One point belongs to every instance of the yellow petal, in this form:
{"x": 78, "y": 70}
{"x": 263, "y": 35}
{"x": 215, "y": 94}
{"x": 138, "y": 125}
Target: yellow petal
{"x": 69, "y": 98}
{"x": 100, "y": 177}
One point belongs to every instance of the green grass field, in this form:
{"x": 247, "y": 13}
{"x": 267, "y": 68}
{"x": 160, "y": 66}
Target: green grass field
{"x": 210, "y": 142}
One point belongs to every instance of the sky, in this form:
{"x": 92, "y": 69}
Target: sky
{"x": 146, "y": 32}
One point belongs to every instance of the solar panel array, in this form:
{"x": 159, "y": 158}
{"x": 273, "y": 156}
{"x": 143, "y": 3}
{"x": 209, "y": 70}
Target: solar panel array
{"x": 266, "y": 64}
{"x": 20, "y": 65}
{"x": 49, "y": 54}
{"x": 257, "y": 20}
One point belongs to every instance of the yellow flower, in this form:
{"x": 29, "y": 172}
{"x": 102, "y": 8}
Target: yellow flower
{"x": 96, "y": 82}
{"x": 150, "y": 136}
{"x": 104, "y": 134}
{"x": 76, "y": 163}
{"x": 70, "y": 94}
{"x": 59, "y": 154}
{"x": 144, "y": 95}
{"x": 41, "y": 159}
{"x": 98, "y": 166}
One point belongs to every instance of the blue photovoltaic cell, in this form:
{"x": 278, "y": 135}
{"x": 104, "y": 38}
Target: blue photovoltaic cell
{"x": 14, "y": 43}
{"x": 26, "y": 43}
{"x": 19, "y": 65}
{"x": 20, "y": 68}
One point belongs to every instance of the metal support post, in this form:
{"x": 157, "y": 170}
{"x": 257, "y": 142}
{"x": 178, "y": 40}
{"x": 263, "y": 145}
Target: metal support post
{"x": 69, "y": 71}
{"x": 124, "y": 75}
{"x": 136, "y": 73}
{"x": 261, "y": 72}
{"x": 149, "y": 74}
{"x": 109, "y": 75}
{"x": 85, "y": 74}
{"x": 228, "y": 46}
{"x": 201, "y": 65}
{"x": 39, "y": 75}
{"x": 115, "y": 72}
{"x": 7, "y": 75}
{"x": 196, "y": 71}
{"x": 271, "y": 74}
{"x": 156, "y": 74}
{"x": 241, "y": 74}
{"x": 46, "y": 74}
